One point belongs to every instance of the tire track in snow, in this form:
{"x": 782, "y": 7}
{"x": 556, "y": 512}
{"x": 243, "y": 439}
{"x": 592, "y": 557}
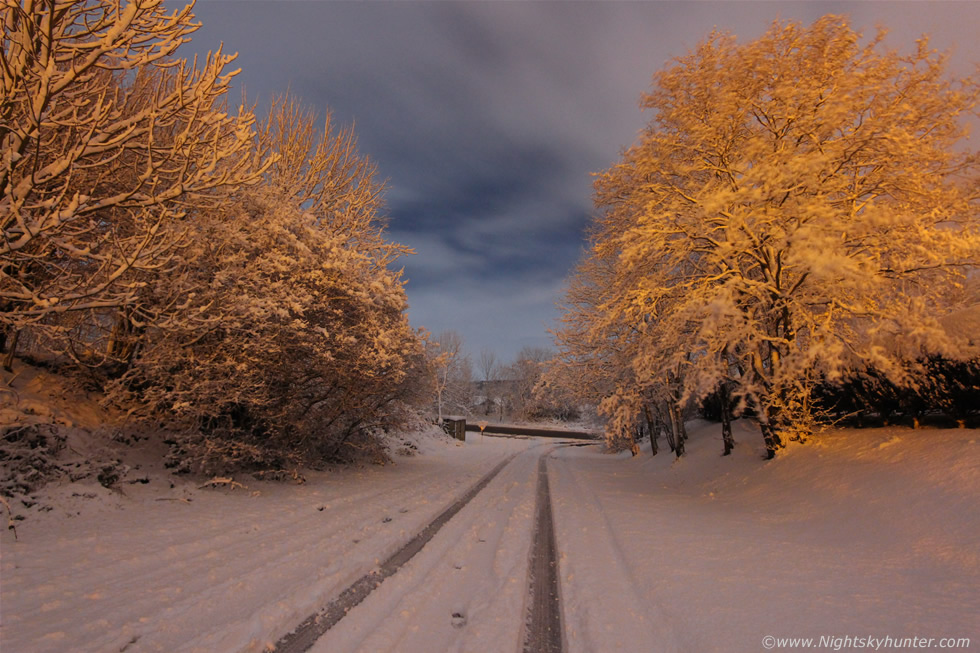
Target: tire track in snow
{"x": 220, "y": 576}
{"x": 596, "y": 559}
{"x": 313, "y": 627}
{"x": 544, "y": 632}
{"x": 191, "y": 559}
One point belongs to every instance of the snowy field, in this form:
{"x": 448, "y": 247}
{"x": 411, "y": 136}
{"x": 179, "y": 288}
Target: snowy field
{"x": 859, "y": 533}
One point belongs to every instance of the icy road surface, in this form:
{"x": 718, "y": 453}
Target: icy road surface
{"x": 861, "y": 533}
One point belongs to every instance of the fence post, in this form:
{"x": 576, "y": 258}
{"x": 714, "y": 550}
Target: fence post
{"x": 455, "y": 428}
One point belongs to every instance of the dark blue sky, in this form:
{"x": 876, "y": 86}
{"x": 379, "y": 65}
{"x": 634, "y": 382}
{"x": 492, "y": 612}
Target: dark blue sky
{"x": 488, "y": 118}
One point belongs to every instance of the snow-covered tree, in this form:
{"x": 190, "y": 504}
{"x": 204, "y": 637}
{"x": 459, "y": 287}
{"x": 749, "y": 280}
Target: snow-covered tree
{"x": 453, "y": 374}
{"x": 594, "y": 361}
{"x": 236, "y": 280}
{"x": 523, "y": 375}
{"x": 488, "y": 365}
{"x": 489, "y": 370}
{"x": 108, "y": 144}
{"x": 291, "y": 344}
{"x": 797, "y": 205}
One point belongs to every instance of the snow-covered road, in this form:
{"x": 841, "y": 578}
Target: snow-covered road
{"x": 231, "y": 570}
{"x": 857, "y": 534}
{"x": 466, "y": 589}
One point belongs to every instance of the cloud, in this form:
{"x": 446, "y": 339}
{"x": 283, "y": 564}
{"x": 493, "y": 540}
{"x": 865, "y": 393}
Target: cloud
{"x": 488, "y": 118}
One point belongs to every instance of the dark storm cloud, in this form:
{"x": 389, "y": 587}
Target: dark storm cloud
{"x": 487, "y": 118}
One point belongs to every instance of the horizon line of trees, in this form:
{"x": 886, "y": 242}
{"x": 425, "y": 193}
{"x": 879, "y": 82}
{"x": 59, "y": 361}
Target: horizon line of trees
{"x": 495, "y": 389}
{"x": 801, "y": 210}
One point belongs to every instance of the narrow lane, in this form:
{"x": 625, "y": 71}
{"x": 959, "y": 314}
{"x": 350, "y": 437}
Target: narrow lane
{"x": 594, "y": 555}
{"x": 314, "y": 626}
{"x": 467, "y": 589}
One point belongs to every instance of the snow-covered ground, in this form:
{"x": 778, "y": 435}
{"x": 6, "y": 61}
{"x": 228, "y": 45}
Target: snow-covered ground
{"x": 154, "y": 568}
{"x": 465, "y": 591}
{"x": 858, "y": 533}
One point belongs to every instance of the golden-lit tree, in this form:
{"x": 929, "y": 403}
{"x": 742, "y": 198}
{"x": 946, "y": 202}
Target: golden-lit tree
{"x": 291, "y": 342}
{"x": 108, "y": 143}
{"x": 797, "y": 204}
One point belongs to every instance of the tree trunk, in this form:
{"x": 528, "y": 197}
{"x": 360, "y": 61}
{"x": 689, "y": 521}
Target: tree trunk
{"x": 652, "y": 428}
{"x": 769, "y": 435}
{"x": 669, "y": 432}
{"x": 677, "y": 428}
{"x": 681, "y": 430}
{"x": 124, "y": 343}
{"x": 8, "y": 360}
{"x": 726, "y": 418}
{"x": 114, "y": 336}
